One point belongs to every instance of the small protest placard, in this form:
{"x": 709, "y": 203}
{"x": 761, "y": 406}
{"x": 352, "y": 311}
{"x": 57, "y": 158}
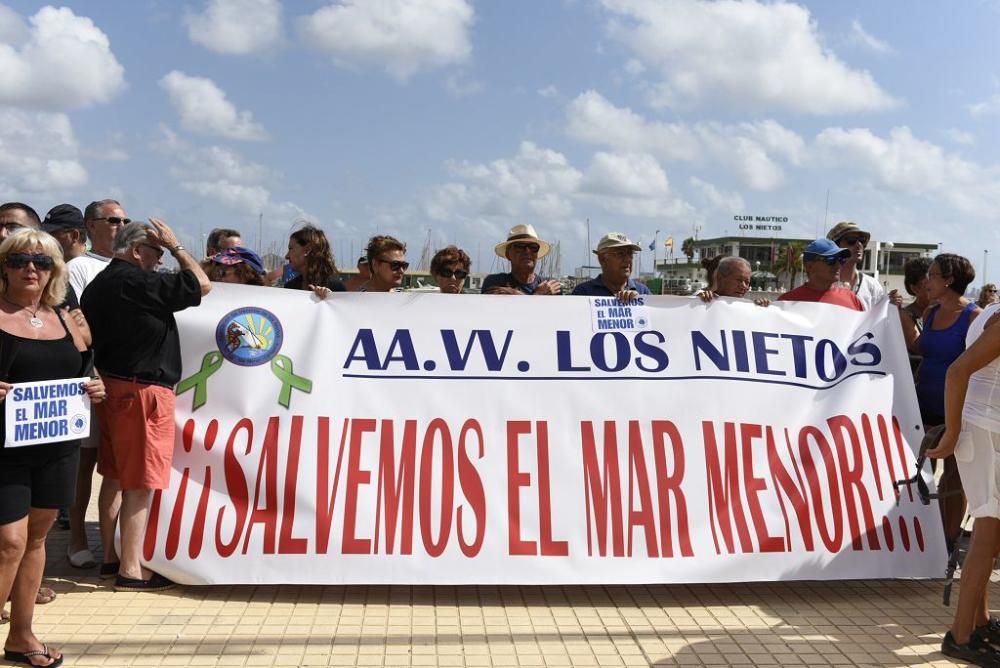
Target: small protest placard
{"x": 47, "y": 412}
{"x": 607, "y": 314}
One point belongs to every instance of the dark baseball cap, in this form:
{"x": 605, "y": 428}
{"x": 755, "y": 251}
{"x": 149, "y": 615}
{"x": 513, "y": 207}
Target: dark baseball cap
{"x": 61, "y": 217}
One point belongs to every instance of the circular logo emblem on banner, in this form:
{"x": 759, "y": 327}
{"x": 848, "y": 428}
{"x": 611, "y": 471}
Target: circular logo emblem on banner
{"x": 78, "y": 423}
{"x": 249, "y": 336}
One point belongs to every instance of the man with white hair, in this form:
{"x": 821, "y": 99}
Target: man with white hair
{"x": 131, "y": 307}
{"x": 100, "y": 222}
{"x": 615, "y": 253}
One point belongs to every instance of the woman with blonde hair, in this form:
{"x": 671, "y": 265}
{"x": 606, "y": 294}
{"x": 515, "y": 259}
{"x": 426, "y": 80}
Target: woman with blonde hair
{"x": 988, "y": 295}
{"x": 36, "y": 344}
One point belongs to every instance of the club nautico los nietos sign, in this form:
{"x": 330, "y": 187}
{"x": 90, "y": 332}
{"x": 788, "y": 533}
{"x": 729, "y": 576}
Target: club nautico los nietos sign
{"x": 760, "y": 223}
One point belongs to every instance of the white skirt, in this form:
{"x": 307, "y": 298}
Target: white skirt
{"x": 978, "y": 455}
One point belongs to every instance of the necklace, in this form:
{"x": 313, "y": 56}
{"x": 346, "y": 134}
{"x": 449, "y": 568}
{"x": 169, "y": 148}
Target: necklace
{"x": 34, "y": 321}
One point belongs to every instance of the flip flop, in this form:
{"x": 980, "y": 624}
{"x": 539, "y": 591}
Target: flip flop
{"x": 25, "y": 657}
{"x": 44, "y": 595}
{"x": 81, "y": 559}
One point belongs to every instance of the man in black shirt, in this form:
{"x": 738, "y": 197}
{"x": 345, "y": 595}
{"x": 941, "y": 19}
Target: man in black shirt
{"x": 137, "y": 351}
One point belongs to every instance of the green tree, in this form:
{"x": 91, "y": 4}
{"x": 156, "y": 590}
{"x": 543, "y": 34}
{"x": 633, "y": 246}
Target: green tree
{"x": 688, "y": 248}
{"x": 788, "y": 263}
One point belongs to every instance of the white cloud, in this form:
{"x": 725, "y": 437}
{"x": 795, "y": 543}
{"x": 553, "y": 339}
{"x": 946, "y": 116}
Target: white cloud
{"x": 204, "y": 108}
{"x": 863, "y": 38}
{"x": 634, "y": 67}
{"x": 960, "y": 136}
{"x": 747, "y": 56}
{"x": 591, "y": 118}
{"x": 541, "y": 185}
{"x": 237, "y": 26}
{"x": 630, "y": 174}
{"x": 13, "y": 29}
{"x": 548, "y": 91}
{"x": 988, "y": 107}
{"x": 402, "y": 36}
{"x": 42, "y": 153}
{"x": 62, "y": 61}
{"x": 907, "y": 164}
{"x": 714, "y": 198}
{"x": 751, "y": 150}
{"x": 221, "y": 175}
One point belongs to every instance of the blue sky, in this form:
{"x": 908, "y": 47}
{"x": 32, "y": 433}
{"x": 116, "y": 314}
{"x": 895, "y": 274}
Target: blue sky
{"x": 459, "y": 118}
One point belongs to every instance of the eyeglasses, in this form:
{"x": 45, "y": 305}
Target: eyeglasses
{"x": 396, "y": 265}
{"x": 828, "y": 259}
{"x": 21, "y": 260}
{"x": 114, "y": 220}
{"x": 850, "y": 241}
{"x": 525, "y": 248}
{"x": 156, "y": 249}
{"x": 10, "y": 227}
{"x": 457, "y": 273}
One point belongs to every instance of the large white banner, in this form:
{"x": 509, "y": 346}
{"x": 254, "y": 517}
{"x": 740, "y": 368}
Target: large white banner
{"x": 426, "y": 438}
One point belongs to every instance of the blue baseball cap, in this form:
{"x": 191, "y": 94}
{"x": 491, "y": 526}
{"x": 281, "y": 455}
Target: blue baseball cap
{"x": 238, "y": 254}
{"x": 826, "y": 248}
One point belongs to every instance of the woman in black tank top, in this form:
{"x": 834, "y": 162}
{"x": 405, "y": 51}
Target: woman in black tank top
{"x": 36, "y": 343}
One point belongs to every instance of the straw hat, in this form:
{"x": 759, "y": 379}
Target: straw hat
{"x": 521, "y": 233}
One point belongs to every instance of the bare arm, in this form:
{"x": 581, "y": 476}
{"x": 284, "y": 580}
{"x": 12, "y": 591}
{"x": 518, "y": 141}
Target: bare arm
{"x": 167, "y": 239}
{"x": 956, "y": 384}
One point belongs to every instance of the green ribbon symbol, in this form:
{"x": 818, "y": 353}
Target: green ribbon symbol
{"x": 281, "y": 366}
{"x": 210, "y": 363}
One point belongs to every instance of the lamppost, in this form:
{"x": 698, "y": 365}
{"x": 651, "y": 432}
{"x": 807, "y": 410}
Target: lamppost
{"x": 888, "y": 256}
{"x": 986, "y": 255}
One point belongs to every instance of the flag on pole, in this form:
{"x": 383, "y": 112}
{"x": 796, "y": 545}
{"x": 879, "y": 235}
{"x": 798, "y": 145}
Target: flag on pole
{"x": 652, "y": 244}
{"x": 669, "y": 242}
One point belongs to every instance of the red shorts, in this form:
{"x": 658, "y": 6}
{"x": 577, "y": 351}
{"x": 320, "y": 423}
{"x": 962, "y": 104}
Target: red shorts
{"x": 136, "y": 422}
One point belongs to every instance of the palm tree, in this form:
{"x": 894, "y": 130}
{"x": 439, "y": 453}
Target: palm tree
{"x": 688, "y": 248}
{"x": 789, "y": 261}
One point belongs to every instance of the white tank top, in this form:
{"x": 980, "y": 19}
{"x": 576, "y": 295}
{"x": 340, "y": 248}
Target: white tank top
{"x": 982, "y": 401}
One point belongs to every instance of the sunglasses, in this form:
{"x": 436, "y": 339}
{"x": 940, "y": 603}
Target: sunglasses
{"x": 114, "y": 220}
{"x": 850, "y": 241}
{"x": 156, "y": 249}
{"x": 10, "y": 227}
{"x": 828, "y": 259}
{"x": 457, "y": 273}
{"x": 21, "y": 260}
{"x": 396, "y": 265}
{"x": 526, "y": 248}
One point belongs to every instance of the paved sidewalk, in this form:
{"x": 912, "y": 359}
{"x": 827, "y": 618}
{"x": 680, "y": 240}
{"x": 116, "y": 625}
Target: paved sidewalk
{"x": 856, "y": 623}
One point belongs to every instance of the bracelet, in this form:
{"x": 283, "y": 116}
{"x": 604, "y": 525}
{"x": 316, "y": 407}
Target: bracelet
{"x": 173, "y": 251}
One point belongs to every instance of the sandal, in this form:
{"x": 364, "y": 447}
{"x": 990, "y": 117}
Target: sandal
{"x": 44, "y": 595}
{"x": 25, "y": 657}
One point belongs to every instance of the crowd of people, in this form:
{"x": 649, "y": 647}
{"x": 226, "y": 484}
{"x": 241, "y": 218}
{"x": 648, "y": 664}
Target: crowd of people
{"x": 81, "y": 295}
